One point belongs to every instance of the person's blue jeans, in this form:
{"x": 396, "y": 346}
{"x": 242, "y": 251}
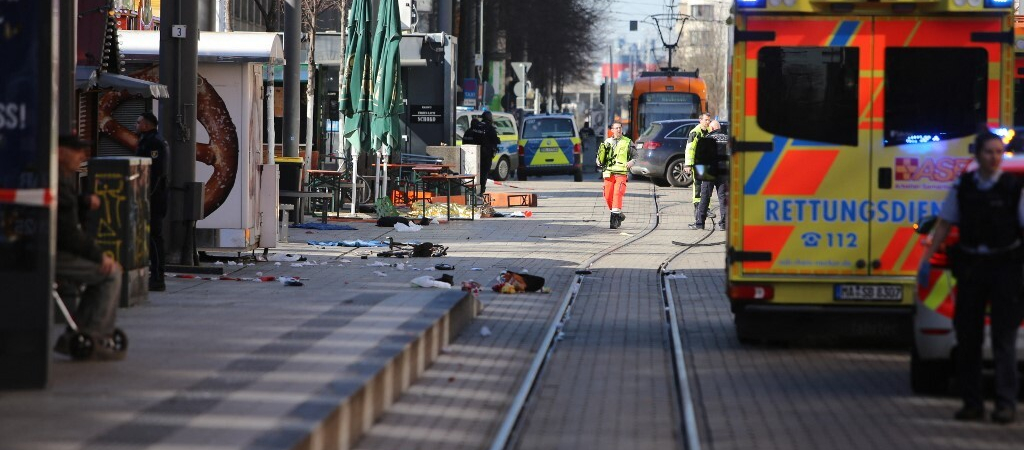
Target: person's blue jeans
{"x": 722, "y": 186}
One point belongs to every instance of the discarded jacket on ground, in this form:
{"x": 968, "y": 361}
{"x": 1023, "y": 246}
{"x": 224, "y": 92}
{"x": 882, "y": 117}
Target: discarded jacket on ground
{"x": 427, "y": 249}
{"x": 518, "y": 282}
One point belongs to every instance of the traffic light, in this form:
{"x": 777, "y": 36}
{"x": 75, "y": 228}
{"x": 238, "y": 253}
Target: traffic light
{"x": 633, "y": 25}
{"x": 603, "y": 91}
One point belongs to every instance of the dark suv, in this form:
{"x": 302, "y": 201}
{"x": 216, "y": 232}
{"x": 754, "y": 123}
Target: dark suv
{"x": 660, "y": 151}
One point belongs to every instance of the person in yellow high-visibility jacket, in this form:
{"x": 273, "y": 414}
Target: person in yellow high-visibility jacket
{"x": 615, "y": 157}
{"x": 699, "y": 131}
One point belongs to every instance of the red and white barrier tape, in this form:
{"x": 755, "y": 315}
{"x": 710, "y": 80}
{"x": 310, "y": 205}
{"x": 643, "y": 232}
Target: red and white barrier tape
{"x": 28, "y": 197}
{"x": 227, "y": 278}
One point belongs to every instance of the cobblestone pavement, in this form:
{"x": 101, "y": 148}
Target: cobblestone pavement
{"x": 461, "y": 400}
{"x": 609, "y": 383}
{"x": 215, "y": 364}
{"x": 804, "y": 396}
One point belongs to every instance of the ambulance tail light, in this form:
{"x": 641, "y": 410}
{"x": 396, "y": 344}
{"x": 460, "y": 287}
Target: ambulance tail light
{"x": 577, "y": 149}
{"x": 751, "y": 292}
{"x": 651, "y": 145}
{"x": 522, "y": 151}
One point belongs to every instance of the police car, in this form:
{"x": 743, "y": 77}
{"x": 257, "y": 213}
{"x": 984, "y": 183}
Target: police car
{"x": 931, "y": 360}
{"x": 550, "y": 145}
{"x": 506, "y": 159}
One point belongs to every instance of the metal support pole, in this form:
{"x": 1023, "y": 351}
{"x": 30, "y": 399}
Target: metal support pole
{"x": 444, "y": 18}
{"x": 482, "y": 85}
{"x": 610, "y": 94}
{"x": 28, "y": 163}
{"x": 67, "y": 116}
{"x": 727, "y": 76}
{"x": 179, "y": 69}
{"x": 293, "y": 61}
{"x": 271, "y": 137}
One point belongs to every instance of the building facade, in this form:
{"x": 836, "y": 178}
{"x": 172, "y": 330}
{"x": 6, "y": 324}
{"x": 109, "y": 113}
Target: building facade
{"x": 705, "y": 44}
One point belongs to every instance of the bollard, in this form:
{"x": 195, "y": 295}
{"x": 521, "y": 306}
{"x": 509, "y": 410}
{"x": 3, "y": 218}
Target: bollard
{"x": 285, "y": 219}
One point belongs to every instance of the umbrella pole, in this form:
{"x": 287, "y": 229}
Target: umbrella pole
{"x": 376, "y": 177}
{"x": 355, "y": 162}
{"x": 387, "y": 156}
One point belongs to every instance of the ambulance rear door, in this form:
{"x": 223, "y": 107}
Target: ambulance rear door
{"x": 803, "y": 147}
{"x": 935, "y": 81}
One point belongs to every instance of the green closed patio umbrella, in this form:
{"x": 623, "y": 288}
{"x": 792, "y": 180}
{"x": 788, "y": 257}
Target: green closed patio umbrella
{"x": 357, "y": 85}
{"x": 387, "y": 102}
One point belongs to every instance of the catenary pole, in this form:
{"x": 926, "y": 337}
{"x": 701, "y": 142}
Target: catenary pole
{"x": 444, "y": 20}
{"x": 179, "y": 67}
{"x": 293, "y": 61}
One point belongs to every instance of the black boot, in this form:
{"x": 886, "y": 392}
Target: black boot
{"x": 622, "y": 218}
{"x": 156, "y": 283}
{"x": 613, "y": 221}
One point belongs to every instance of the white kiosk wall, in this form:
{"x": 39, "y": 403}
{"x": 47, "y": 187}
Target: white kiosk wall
{"x": 233, "y": 66}
{"x": 236, "y": 220}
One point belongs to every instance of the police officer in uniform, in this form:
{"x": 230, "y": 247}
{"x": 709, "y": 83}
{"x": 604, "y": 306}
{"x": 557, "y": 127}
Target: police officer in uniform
{"x": 152, "y": 145}
{"x": 488, "y": 147}
{"x": 986, "y": 204}
{"x": 720, "y": 184}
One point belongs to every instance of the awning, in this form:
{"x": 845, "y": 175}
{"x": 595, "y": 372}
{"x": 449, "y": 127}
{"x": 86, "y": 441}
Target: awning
{"x": 235, "y": 46}
{"x": 87, "y": 78}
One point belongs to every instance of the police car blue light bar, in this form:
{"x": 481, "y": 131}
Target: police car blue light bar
{"x": 761, "y": 3}
{"x": 998, "y": 3}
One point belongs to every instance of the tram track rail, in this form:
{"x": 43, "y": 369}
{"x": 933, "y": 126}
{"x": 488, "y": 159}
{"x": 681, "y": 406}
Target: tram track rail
{"x": 553, "y": 334}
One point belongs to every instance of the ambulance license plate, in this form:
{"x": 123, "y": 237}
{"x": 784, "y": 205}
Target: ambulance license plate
{"x": 550, "y": 149}
{"x": 879, "y": 292}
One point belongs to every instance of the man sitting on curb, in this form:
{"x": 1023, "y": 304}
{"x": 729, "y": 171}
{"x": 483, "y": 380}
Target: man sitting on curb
{"x": 80, "y": 260}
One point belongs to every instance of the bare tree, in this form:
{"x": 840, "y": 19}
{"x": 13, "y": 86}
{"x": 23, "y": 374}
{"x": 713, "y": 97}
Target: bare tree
{"x": 559, "y": 37}
{"x": 271, "y": 12}
{"x": 705, "y": 46}
{"x": 311, "y": 9}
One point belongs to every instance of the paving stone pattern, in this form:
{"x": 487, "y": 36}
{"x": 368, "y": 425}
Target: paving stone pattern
{"x": 461, "y": 400}
{"x": 805, "y": 397}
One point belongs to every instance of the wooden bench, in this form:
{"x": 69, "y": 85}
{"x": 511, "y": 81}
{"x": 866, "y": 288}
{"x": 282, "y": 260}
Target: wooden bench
{"x": 510, "y": 199}
{"x": 303, "y": 195}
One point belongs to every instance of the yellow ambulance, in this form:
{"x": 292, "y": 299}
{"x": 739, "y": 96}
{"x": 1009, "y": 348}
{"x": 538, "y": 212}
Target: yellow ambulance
{"x": 850, "y": 120}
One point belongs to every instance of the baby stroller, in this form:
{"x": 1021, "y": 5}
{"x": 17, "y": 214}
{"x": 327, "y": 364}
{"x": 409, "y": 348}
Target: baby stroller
{"x": 80, "y": 346}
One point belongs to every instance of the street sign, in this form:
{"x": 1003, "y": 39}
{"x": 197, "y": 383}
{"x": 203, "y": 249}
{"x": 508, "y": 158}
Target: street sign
{"x": 521, "y": 68}
{"x": 520, "y": 89}
{"x": 426, "y": 114}
{"x": 469, "y": 92}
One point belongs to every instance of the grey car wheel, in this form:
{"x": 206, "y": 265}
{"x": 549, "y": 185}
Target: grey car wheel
{"x": 502, "y": 170}
{"x": 675, "y": 174}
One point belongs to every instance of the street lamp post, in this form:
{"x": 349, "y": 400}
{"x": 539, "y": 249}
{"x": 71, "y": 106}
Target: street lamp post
{"x": 480, "y": 62}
